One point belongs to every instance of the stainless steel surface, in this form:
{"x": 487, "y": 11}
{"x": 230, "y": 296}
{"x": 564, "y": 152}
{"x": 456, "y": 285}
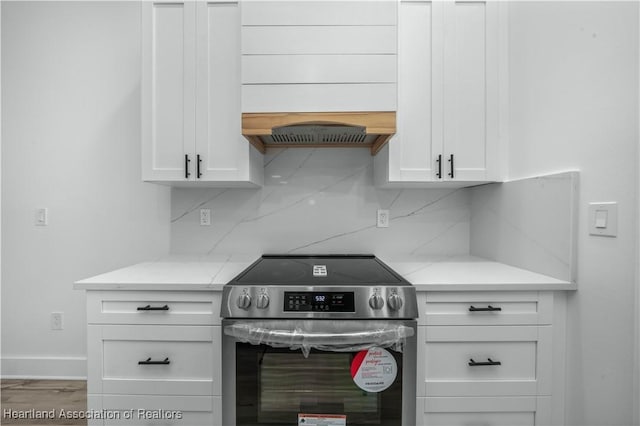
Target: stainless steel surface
{"x": 395, "y": 302}
{"x": 263, "y": 301}
{"x": 231, "y": 382}
{"x": 244, "y": 301}
{"x": 376, "y": 301}
{"x": 260, "y": 303}
{"x": 237, "y": 302}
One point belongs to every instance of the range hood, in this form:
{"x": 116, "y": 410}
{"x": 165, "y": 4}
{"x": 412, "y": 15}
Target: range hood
{"x": 319, "y": 129}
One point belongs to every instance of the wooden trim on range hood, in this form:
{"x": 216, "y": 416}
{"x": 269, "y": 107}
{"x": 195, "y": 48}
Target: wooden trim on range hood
{"x": 380, "y": 124}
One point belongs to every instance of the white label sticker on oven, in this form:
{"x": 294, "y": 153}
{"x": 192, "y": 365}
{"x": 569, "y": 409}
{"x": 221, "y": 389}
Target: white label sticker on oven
{"x": 322, "y": 420}
{"x": 374, "y": 370}
{"x": 319, "y": 270}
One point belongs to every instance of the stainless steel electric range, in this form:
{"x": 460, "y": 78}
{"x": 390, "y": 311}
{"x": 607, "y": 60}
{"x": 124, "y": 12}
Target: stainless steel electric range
{"x": 319, "y": 339}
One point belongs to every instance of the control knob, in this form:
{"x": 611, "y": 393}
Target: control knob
{"x": 376, "y": 301}
{"x": 394, "y": 301}
{"x": 263, "y": 301}
{"x": 244, "y": 301}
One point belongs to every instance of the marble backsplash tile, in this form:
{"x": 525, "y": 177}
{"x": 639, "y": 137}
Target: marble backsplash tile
{"x": 528, "y": 223}
{"x": 320, "y": 201}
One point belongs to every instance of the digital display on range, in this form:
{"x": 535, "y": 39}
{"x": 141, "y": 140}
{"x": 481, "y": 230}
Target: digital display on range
{"x": 318, "y": 301}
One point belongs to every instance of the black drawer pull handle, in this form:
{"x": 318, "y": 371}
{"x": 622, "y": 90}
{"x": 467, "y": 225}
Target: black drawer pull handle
{"x": 489, "y": 308}
{"x": 153, "y": 308}
{"x": 439, "y": 161}
{"x": 489, "y": 361}
{"x": 149, "y": 362}
{"x": 452, "y": 167}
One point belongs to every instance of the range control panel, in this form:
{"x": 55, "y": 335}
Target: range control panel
{"x": 319, "y": 301}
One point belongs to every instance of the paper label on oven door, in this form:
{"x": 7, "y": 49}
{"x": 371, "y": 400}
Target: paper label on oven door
{"x": 322, "y": 420}
{"x": 374, "y": 370}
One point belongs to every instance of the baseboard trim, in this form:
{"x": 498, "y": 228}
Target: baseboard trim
{"x": 50, "y": 368}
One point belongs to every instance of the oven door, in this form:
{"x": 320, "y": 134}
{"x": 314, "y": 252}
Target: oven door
{"x": 287, "y": 373}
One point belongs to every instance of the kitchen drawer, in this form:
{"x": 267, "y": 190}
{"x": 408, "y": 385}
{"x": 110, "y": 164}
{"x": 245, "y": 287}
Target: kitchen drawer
{"x": 153, "y": 307}
{"x": 485, "y": 308}
{"x": 446, "y": 352}
{"x": 152, "y": 360}
{"x": 504, "y": 411}
{"x": 146, "y": 410}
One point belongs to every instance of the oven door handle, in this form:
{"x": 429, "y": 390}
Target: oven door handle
{"x": 326, "y": 336}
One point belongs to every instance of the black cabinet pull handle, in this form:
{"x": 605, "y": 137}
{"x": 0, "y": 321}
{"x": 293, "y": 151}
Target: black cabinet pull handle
{"x": 186, "y": 166}
{"x": 439, "y": 161}
{"x": 451, "y": 165}
{"x": 149, "y": 362}
{"x": 489, "y": 361}
{"x": 489, "y": 308}
{"x": 153, "y": 308}
{"x": 198, "y": 162}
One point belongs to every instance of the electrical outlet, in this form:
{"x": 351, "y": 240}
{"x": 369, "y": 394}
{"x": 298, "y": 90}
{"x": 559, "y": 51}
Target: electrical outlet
{"x": 383, "y": 219}
{"x": 57, "y": 320}
{"x": 205, "y": 217}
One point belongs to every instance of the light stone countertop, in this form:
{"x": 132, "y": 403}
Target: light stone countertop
{"x": 469, "y": 273}
{"x": 170, "y": 273}
{"x": 466, "y": 273}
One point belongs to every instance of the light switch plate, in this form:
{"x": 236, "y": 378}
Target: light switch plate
{"x": 41, "y": 216}
{"x": 603, "y": 219}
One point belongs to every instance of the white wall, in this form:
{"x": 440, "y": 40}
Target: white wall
{"x": 71, "y": 143}
{"x": 0, "y": 181}
{"x": 574, "y": 105}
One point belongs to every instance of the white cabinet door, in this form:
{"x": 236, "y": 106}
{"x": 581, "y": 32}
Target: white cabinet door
{"x": 154, "y": 360}
{"x": 485, "y": 308}
{"x": 484, "y": 361}
{"x": 153, "y": 307}
{"x": 168, "y": 89}
{"x": 412, "y": 149}
{"x": 470, "y": 89}
{"x": 147, "y": 410}
{"x": 496, "y": 411}
{"x": 221, "y": 153}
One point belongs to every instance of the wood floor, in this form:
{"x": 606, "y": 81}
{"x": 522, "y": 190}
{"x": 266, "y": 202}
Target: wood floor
{"x": 36, "y": 399}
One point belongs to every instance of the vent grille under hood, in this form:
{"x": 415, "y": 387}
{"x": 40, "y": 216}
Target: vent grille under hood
{"x": 363, "y": 129}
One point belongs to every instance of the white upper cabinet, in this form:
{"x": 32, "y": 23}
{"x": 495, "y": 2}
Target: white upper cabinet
{"x": 191, "y": 129}
{"x": 449, "y": 60}
{"x": 319, "y": 56}
{"x": 168, "y": 89}
{"x": 470, "y": 89}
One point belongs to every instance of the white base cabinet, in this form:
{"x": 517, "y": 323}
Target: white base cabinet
{"x": 155, "y": 410}
{"x": 488, "y": 358}
{"x": 514, "y": 411}
{"x": 154, "y": 358}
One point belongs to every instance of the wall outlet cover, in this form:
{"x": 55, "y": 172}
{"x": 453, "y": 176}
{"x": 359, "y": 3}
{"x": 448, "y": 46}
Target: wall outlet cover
{"x": 205, "y": 217}
{"x": 382, "y": 218}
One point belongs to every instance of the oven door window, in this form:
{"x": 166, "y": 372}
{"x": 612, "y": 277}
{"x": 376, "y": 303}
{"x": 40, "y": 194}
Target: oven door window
{"x": 274, "y": 385}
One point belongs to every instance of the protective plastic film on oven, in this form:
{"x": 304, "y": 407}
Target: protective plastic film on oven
{"x": 333, "y": 336}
